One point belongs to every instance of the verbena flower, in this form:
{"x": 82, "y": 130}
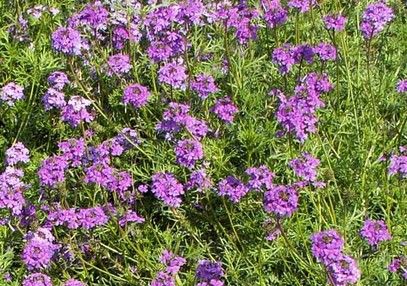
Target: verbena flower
{"x": 172, "y": 262}
{"x": 199, "y": 180}
{"x": 37, "y": 279}
{"x": 38, "y": 253}
{"x": 11, "y": 190}
{"x": 68, "y": 41}
{"x": 118, "y": 64}
{"x": 17, "y": 153}
{"x": 204, "y": 85}
{"x": 53, "y": 99}
{"x": 10, "y": 93}
{"x": 335, "y": 22}
{"x": 327, "y": 246}
{"x": 173, "y": 74}
{"x": 188, "y": 152}
{"x": 58, "y": 80}
{"x": 344, "y": 271}
{"x": 281, "y": 200}
{"x": 402, "y": 86}
{"x": 52, "y": 171}
{"x": 302, "y": 5}
{"x": 399, "y": 264}
{"x": 76, "y": 111}
{"x": 225, "y": 109}
{"x": 130, "y": 217}
{"x": 73, "y": 282}
{"x": 232, "y": 188}
{"x": 375, "y": 231}
{"x": 260, "y": 177}
{"x": 136, "y": 95}
{"x": 398, "y": 165}
{"x": 167, "y": 188}
{"x": 374, "y": 19}
{"x": 326, "y": 52}
{"x": 274, "y": 13}
{"x": 305, "y": 167}
{"x": 208, "y": 270}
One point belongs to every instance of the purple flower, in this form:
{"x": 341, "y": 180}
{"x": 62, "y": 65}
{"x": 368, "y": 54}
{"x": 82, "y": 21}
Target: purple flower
{"x": 335, "y": 22}
{"x": 58, "y": 80}
{"x": 284, "y": 58}
{"x": 37, "y": 279}
{"x": 11, "y": 92}
{"x": 172, "y": 262}
{"x": 73, "y": 282}
{"x": 17, "y": 153}
{"x": 173, "y": 74}
{"x": 197, "y": 128}
{"x": 260, "y": 177}
{"x": 344, "y": 270}
{"x": 11, "y": 190}
{"x": 375, "y": 231}
{"x": 163, "y": 279}
{"x": 204, "y": 85}
{"x": 398, "y": 165}
{"x": 274, "y": 13}
{"x": 118, "y": 64}
{"x": 232, "y": 188}
{"x": 167, "y": 188}
{"x": 92, "y": 217}
{"x": 302, "y": 5}
{"x": 76, "y": 111}
{"x": 327, "y": 246}
{"x": 188, "y": 151}
{"x": 199, "y": 180}
{"x": 38, "y": 253}
{"x": 398, "y": 263}
{"x": 305, "y": 167}
{"x": 53, "y": 99}
{"x": 281, "y": 200}
{"x": 130, "y": 216}
{"x": 208, "y": 270}
{"x": 67, "y": 217}
{"x": 52, "y": 171}
{"x": 136, "y": 94}
{"x": 73, "y": 150}
{"x": 374, "y": 19}
{"x": 225, "y": 109}
{"x": 68, "y": 41}
{"x": 302, "y": 53}
{"x": 326, "y": 52}
{"x": 402, "y": 86}
{"x": 213, "y": 282}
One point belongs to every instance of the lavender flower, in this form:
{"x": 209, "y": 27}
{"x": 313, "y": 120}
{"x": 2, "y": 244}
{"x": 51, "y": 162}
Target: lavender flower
{"x": 281, "y": 200}
{"x": 73, "y": 282}
{"x": 327, "y": 246}
{"x": 172, "y": 262}
{"x": 398, "y": 165}
{"x": 274, "y": 13}
{"x": 335, "y": 22}
{"x": 232, "y": 188}
{"x": 11, "y": 190}
{"x": 284, "y": 58}
{"x": 119, "y": 64}
{"x": 375, "y": 231}
{"x": 52, "y": 171}
{"x": 204, "y": 85}
{"x": 199, "y": 180}
{"x": 374, "y": 19}
{"x": 53, "y": 99}
{"x": 305, "y": 167}
{"x": 136, "y": 95}
{"x": 208, "y": 270}
{"x": 163, "y": 279}
{"x": 166, "y": 187}
{"x": 58, "y": 80}
{"x": 130, "y": 216}
{"x": 402, "y": 86}
{"x": 260, "y": 177}
{"x": 38, "y": 253}
{"x": 11, "y": 92}
{"x": 399, "y": 264}
{"x": 225, "y": 109}
{"x": 188, "y": 152}
{"x": 92, "y": 217}
{"x": 173, "y": 74}
{"x": 302, "y": 6}
{"x": 68, "y": 41}
{"x": 326, "y": 52}
{"x": 37, "y": 279}
{"x": 73, "y": 151}
{"x": 76, "y": 111}
{"x": 344, "y": 271}
{"x": 17, "y": 153}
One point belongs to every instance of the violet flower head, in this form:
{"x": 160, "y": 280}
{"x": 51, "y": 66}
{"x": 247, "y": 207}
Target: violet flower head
{"x": 172, "y": 262}
{"x": 11, "y": 190}
{"x": 305, "y": 167}
{"x": 10, "y": 93}
{"x": 399, "y": 264}
{"x": 398, "y": 165}
{"x": 76, "y": 111}
{"x": 17, "y": 153}
{"x": 198, "y": 128}
{"x": 204, "y": 85}
{"x": 73, "y": 282}
{"x": 73, "y": 151}
{"x": 283, "y": 57}
{"x": 68, "y": 41}
{"x": 53, "y": 99}
{"x": 335, "y": 22}
{"x": 402, "y": 86}
{"x": 188, "y": 152}
{"x": 38, "y": 253}
{"x": 58, "y": 80}
{"x": 302, "y": 6}
{"x": 344, "y": 270}
{"x": 52, "y": 171}
{"x": 225, "y": 109}
{"x": 199, "y": 180}
{"x": 281, "y": 200}
{"x": 37, "y": 279}
{"x": 375, "y": 231}
{"x": 136, "y": 95}
{"x": 173, "y": 74}
{"x": 167, "y": 188}
{"x": 118, "y": 64}
{"x": 130, "y": 217}
{"x": 274, "y": 13}
{"x": 374, "y": 19}
{"x": 232, "y": 188}
{"x": 326, "y": 52}
{"x": 163, "y": 279}
{"x": 327, "y": 246}
{"x": 92, "y": 217}
{"x": 260, "y": 177}
{"x": 208, "y": 270}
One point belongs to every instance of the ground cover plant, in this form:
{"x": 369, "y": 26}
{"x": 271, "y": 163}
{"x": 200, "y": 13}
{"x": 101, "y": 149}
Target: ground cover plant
{"x": 203, "y": 142}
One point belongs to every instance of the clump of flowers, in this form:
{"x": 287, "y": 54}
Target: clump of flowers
{"x": 11, "y": 190}
{"x": 335, "y": 22}
{"x": 136, "y": 95}
{"x": 172, "y": 265}
{"x": 374, "y": 19}
{"x": 399, "y": 264}
{"x": 274, "y": 13}
{"x": 260, "y": 177}
{"x": 53, "y": 98}
{"x": 167, "y": 188}
{"x": 281, "y": 200}
{"x": 398, "y": 163}
{"x": 375, "y": 231}
{"x": 232, "y": 188}
{"x": 402, "y": 86}
{"x": 225, "y": 109}
{"x": 209, "y": 273}
{"x": 73, "y": 282}
{"x": 204, "y": 85}
{"x": 130, "y": 217}
{"x": 11, "y": 92}
{"x": 305, "y": 167}
{"x": 76, "y": 111}
{"x": 199, "y": 180}
{"x": 37, "y": 279}
{"x": 302, "y": 6}
{"x": 86, "y": 218}
{"x": 344, "y": 270}
{"x": 188, "y": 152}
{"x": 118, "y": 64}
{"x": 58, "y": 80}
{"x": 17, "y": 153}
{"x": 68, "y": 41}
{"x": 173, "y": 74}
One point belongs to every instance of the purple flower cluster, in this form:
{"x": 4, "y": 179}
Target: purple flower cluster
{"x": 305, "y": 167}
{"x": 274, "y": 13}
{"x": 398, "y": 163}
{"x": 297, "y": 114}
{"x": 327, "y": 248}
{"x": 39, "y": 250}
{"x": 209, "y": 273}
{"x": 76, "y": 111}
{"x": 37, "y": 279}
{"x": 68, "y": 41}
{"x": 58, "y": 80}
{"x": 130, "y": 217}
{"x": 167, "y": 188}
{"x": 260, "y": 177}
{"x": 281, "y": 200}
{"x": 375, "y": 231}
{"x": 173, "y": 74}
{"x": 10, "y": 93}
{"x": 232, "y": 188}
{"x": 225, "y": 109}
{"x": 335, "y": 22}
{"x": 53, "y": 98}
{"x": 199, "y": 180}
{"x": 86, "y": 218}
{"x": 73, "y": 282}
{"x": 402, "y": 86}
{"x": 17, "y": 153}
{"x": 11, "y": 190}
{"x": 52, "y": 171}
{"x": 136, "y": 95}
{"x": 375, "y": 18}
{"x": 188, "y": 152}
{"x": 399, "y": 264}
{"x": 172, "y": 265}
{"x": 302, "y": 6}
{"x": 204, "y": 85}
